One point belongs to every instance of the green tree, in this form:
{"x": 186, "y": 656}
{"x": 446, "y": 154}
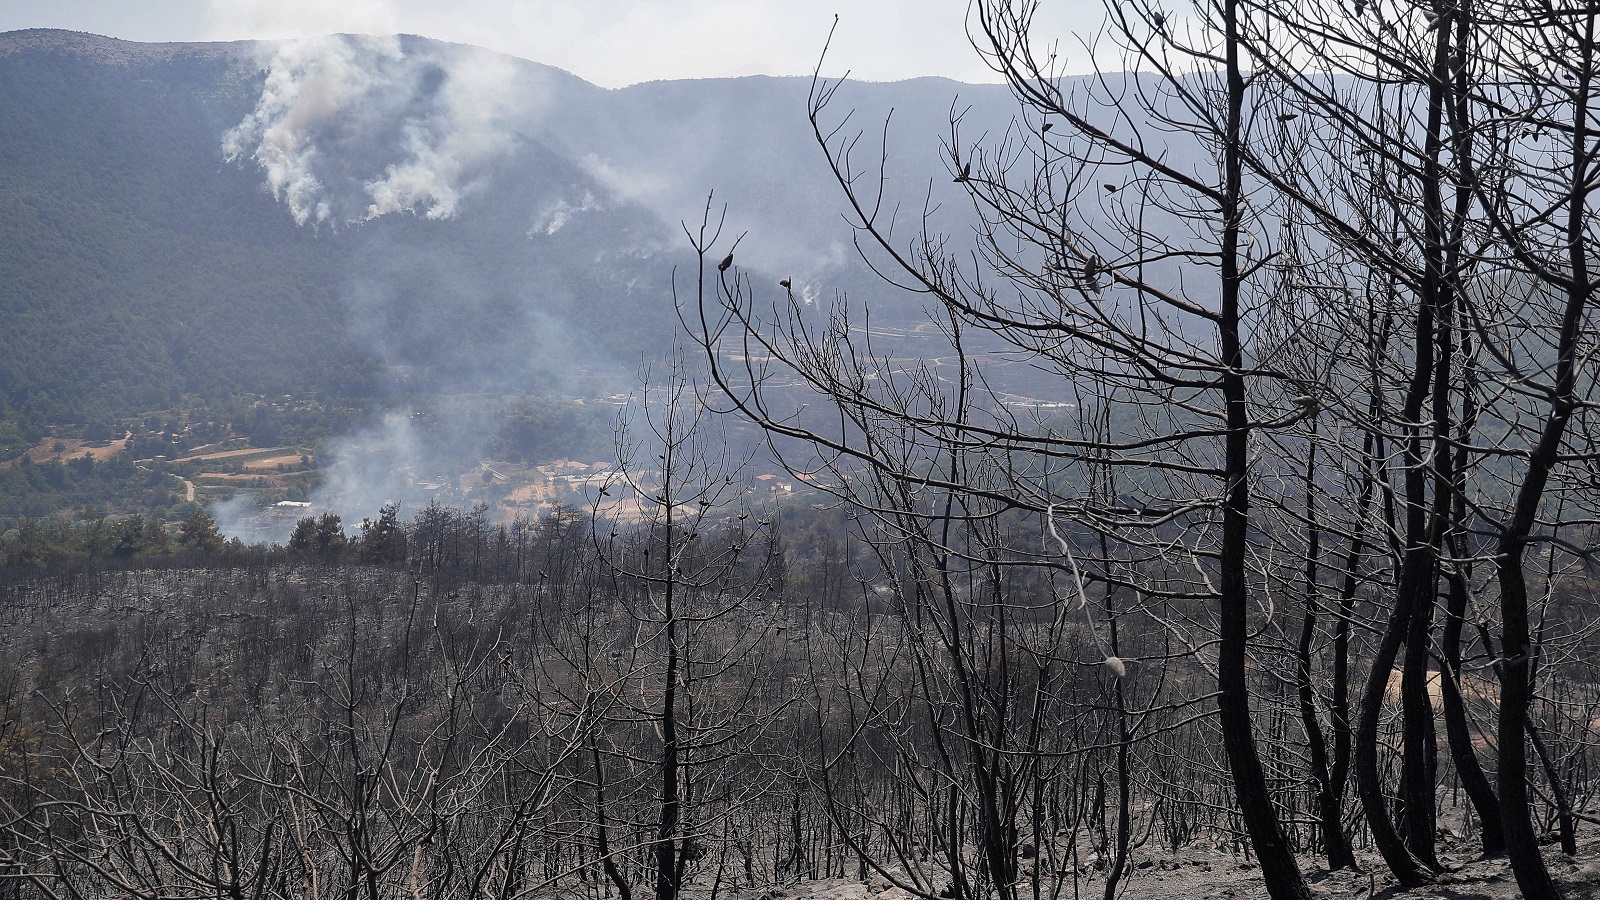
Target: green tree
{"x": 129, "y": 538}
{"x": 330, "y": 539}
{"x": 384, "y": 540}
{"x": 304, "y": 539}
{"x": 200, "y": 532}
{"x": 155, "y": 536}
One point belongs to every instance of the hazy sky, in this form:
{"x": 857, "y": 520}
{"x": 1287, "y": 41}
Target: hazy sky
{"x": 608, "y": 42}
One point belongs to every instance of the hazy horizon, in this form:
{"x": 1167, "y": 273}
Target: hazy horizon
{"x": 611, "y": 44}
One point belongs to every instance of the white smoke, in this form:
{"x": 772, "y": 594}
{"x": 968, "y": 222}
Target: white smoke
{"x": 379, "y": 464}
{"x": 310, "y": 82}
{"x": 470, "y": 128}
{"x": 385, "y": 462}
{"x": 240, "y": 516}
{"x": 451, "y": 106}
{"x": 554, "y": 216}
{"x": 673, "y": 180}
{"x": 653, "y": 187}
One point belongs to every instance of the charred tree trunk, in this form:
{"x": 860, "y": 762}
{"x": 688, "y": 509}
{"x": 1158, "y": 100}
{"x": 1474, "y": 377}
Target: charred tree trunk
{"x": 666, "y": 847}
{"x": 1279, "y": 868}
{"x": 1328, "y": 807}
{"x": 608, "y": 862}
{"x": 1479, "y": 790}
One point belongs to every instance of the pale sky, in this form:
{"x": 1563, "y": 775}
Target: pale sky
{"x": 609, "y": 42}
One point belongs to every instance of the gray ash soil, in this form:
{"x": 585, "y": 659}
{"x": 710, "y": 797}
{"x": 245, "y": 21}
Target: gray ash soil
{"x": 1212, "y": 875}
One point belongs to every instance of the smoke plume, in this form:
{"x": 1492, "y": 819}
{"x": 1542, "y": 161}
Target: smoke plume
{"x": 352, "y": 127}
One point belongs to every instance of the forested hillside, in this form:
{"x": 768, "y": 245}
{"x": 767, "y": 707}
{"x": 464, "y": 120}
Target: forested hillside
{"x": 285, "y": 243}
{"x": 139, "y": 265}
{"x": 134, "y": 267}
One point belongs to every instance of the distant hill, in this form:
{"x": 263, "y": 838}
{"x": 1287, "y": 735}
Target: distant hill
{"x": 348, "y": 214}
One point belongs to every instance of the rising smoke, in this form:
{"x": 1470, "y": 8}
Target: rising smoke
{"x": 309, "y": 83}
{"x": 352, "y": 127}
{"x": 348, "y": 129}
{"x": 389, "y": 142}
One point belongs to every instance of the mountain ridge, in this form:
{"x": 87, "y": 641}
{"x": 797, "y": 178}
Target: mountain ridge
{"x": 463, "y": 214}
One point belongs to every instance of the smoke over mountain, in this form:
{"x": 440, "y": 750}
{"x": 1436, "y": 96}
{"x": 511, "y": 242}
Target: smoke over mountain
{"x": 412, "y": 127}
{"x": 348, "y": 130}
{"x": 440, "y": 236}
